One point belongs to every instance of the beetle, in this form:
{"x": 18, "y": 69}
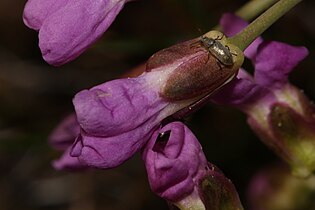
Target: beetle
{"x": 217, "y": 49}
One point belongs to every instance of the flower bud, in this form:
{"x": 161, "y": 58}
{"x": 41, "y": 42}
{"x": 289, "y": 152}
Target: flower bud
{"x": 204, "y": 68}
{"x": 288, "y": 127}
{"x": 218, "y": 192}
{"x": 67, "y": 28}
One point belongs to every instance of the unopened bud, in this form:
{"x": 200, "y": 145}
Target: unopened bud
{"x": 296, "y": 136}
{"x": 218, "y": 192}
{"x": 205, "y": 65}
{"x": 287, "y": 125}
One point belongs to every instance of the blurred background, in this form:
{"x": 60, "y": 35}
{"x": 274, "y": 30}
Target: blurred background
{"x": 34, "y": 97}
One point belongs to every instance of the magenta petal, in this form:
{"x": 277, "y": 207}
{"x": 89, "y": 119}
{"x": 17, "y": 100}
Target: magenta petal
{"x": 118, "y": 117}
{"x": 275, "y": 60}
{"x": 66, "y": 33}
{"x": 173, "y": 164}
{"x": 240, "y": 93}
{"x": 116, "y": 107}
{"x": 109, "y": 152}
{"x": 36, "y": 11}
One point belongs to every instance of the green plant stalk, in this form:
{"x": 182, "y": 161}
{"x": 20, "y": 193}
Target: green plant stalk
{"x": 262, "y": 23}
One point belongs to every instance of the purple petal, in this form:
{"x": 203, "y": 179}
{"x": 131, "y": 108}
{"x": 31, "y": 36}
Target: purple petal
{"x": 241, "y": 93}
{"x": 173, "y": 164}
{"x": 36, "y": 11}
{"x": 69, "y": 31}
{"x": 109, "y": 152}
{"x": 243, "y": 74}
{"x": 232, "y": 25}
{"x": 117, "y": 118}
{"x": 275, "y": 60}
{"x": 117, "y": 106}
{"x": 65, "y": 133}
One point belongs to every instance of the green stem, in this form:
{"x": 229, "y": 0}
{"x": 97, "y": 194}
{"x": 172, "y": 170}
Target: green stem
{"x": 262, "y": 23}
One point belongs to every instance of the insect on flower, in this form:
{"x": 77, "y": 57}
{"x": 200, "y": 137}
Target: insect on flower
{"x": 196, "y": 72}
{"x": 213, "y": 45}
{"x": 204, "y": 77}
{"x": 222, "y": 53}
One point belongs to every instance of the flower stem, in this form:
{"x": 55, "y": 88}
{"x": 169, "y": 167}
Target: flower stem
{"x": 262, "y": 23}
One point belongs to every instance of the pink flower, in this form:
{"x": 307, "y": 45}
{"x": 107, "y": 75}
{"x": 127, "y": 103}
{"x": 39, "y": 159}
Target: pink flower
{"x": 68, "y": 27}
{"x": 118, "y": 117}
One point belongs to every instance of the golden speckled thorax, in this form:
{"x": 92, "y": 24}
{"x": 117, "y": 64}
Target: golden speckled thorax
{"x": 218, "y": 50}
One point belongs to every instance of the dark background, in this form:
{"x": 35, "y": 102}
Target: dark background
{"x": 34, "y": 97}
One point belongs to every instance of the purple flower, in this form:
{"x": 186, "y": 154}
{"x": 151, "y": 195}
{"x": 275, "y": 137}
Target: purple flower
{"x": 67, "y": 27}
{"x": 118, "y": 117}
{"x": 61, "y": 139}
{"x": 278, "y": 112}
{"x": 179, "y": 172}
